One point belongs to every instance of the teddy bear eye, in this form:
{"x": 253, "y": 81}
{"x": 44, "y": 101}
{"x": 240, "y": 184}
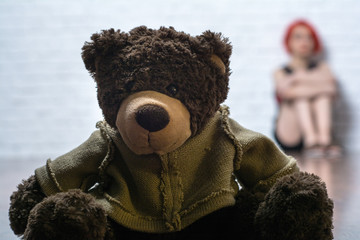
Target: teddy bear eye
{"x": 172, "y": 89}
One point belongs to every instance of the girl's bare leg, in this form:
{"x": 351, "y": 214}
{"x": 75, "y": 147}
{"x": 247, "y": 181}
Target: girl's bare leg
{"x": 287, "y": 129}
{"x": 322, "y": 114}
{"x": 304, "y": 114}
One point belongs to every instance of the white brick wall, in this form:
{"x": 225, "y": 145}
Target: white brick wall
{"x": 48, "y": 101}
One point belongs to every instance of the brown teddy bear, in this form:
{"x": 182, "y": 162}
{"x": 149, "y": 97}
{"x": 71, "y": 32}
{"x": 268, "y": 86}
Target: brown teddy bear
{"x": 168, "y": 162}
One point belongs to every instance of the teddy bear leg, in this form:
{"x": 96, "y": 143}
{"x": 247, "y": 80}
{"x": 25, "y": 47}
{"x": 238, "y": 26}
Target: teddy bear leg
{"x": 245, "y": 208}
{"x": 69, "y": 215}
{"x": 297, "y": 208}
{"x": 22, "y": 201}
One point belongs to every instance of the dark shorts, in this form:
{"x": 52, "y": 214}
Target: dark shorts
{"x": 297, "y": 147}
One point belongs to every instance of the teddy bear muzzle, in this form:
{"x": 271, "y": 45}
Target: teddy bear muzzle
{"x": 152, "y": 122}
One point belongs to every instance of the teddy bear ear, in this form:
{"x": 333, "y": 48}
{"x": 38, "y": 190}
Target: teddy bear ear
{"x": 217, "y": 48}
{"x": 218, "y": 63}
{"x": 103, "y": 44}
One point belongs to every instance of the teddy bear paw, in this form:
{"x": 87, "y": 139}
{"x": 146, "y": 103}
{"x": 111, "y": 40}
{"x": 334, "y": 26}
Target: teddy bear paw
{"x": 68, "y": 215}
{"x": 297, "y": 208}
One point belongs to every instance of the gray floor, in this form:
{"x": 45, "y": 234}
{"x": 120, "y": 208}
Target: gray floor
{"x": 341, "y": 176}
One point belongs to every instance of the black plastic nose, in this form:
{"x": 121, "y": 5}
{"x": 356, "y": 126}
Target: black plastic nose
{"x": 152, "y": 117}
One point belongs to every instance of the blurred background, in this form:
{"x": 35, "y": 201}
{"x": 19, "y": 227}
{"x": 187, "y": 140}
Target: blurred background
{"x": 48, "y": 101}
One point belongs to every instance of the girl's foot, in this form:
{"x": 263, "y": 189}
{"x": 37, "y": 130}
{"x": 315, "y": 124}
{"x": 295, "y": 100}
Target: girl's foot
{"x": 333, "y": 151}
{"x": 314, "y": 152}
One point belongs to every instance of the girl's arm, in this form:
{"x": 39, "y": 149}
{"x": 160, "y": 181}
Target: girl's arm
{"x": 306, "y": 91}
{"x": 318, "y": 77}
{"x": 305, "y": 84}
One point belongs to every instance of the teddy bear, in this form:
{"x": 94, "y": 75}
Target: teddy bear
{"x": 167, "y": 161}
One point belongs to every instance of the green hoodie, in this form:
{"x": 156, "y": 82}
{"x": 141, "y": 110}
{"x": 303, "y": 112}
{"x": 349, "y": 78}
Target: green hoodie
{"x": 163, "y": 193}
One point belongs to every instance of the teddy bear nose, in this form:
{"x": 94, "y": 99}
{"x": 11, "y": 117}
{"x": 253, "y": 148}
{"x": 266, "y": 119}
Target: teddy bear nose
{"x": 152, "y": 117}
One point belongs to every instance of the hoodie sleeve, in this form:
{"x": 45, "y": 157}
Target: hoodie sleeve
{"x": 71, "y": 170}
{"x": 259, "y": 162}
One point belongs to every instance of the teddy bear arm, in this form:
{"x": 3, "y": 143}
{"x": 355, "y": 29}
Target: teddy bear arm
{"x": 28, "y": 194}
{"x": 66, "y": 172}
{"x": 260, "y": 188}
{"x": 258, "y": 162}
{"x": 262, "y": 164}
{"x": 75, "y": 169}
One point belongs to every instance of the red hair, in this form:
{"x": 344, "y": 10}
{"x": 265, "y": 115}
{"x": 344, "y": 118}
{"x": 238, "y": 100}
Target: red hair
{"x": 317, "y": 44}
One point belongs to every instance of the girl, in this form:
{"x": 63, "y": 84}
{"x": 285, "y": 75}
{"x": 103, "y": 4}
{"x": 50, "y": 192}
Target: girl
{"x": 305, "y": 89}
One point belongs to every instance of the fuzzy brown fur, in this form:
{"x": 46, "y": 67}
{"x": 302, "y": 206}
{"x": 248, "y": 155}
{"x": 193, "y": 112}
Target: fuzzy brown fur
{"x": 297, "y": 207}
{"x": 72, "y": 215}
{"x": 28, "y": 194}
{"x": 147, "y": 59}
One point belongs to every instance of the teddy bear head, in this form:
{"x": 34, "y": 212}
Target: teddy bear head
{"x": 158, "y": 87}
